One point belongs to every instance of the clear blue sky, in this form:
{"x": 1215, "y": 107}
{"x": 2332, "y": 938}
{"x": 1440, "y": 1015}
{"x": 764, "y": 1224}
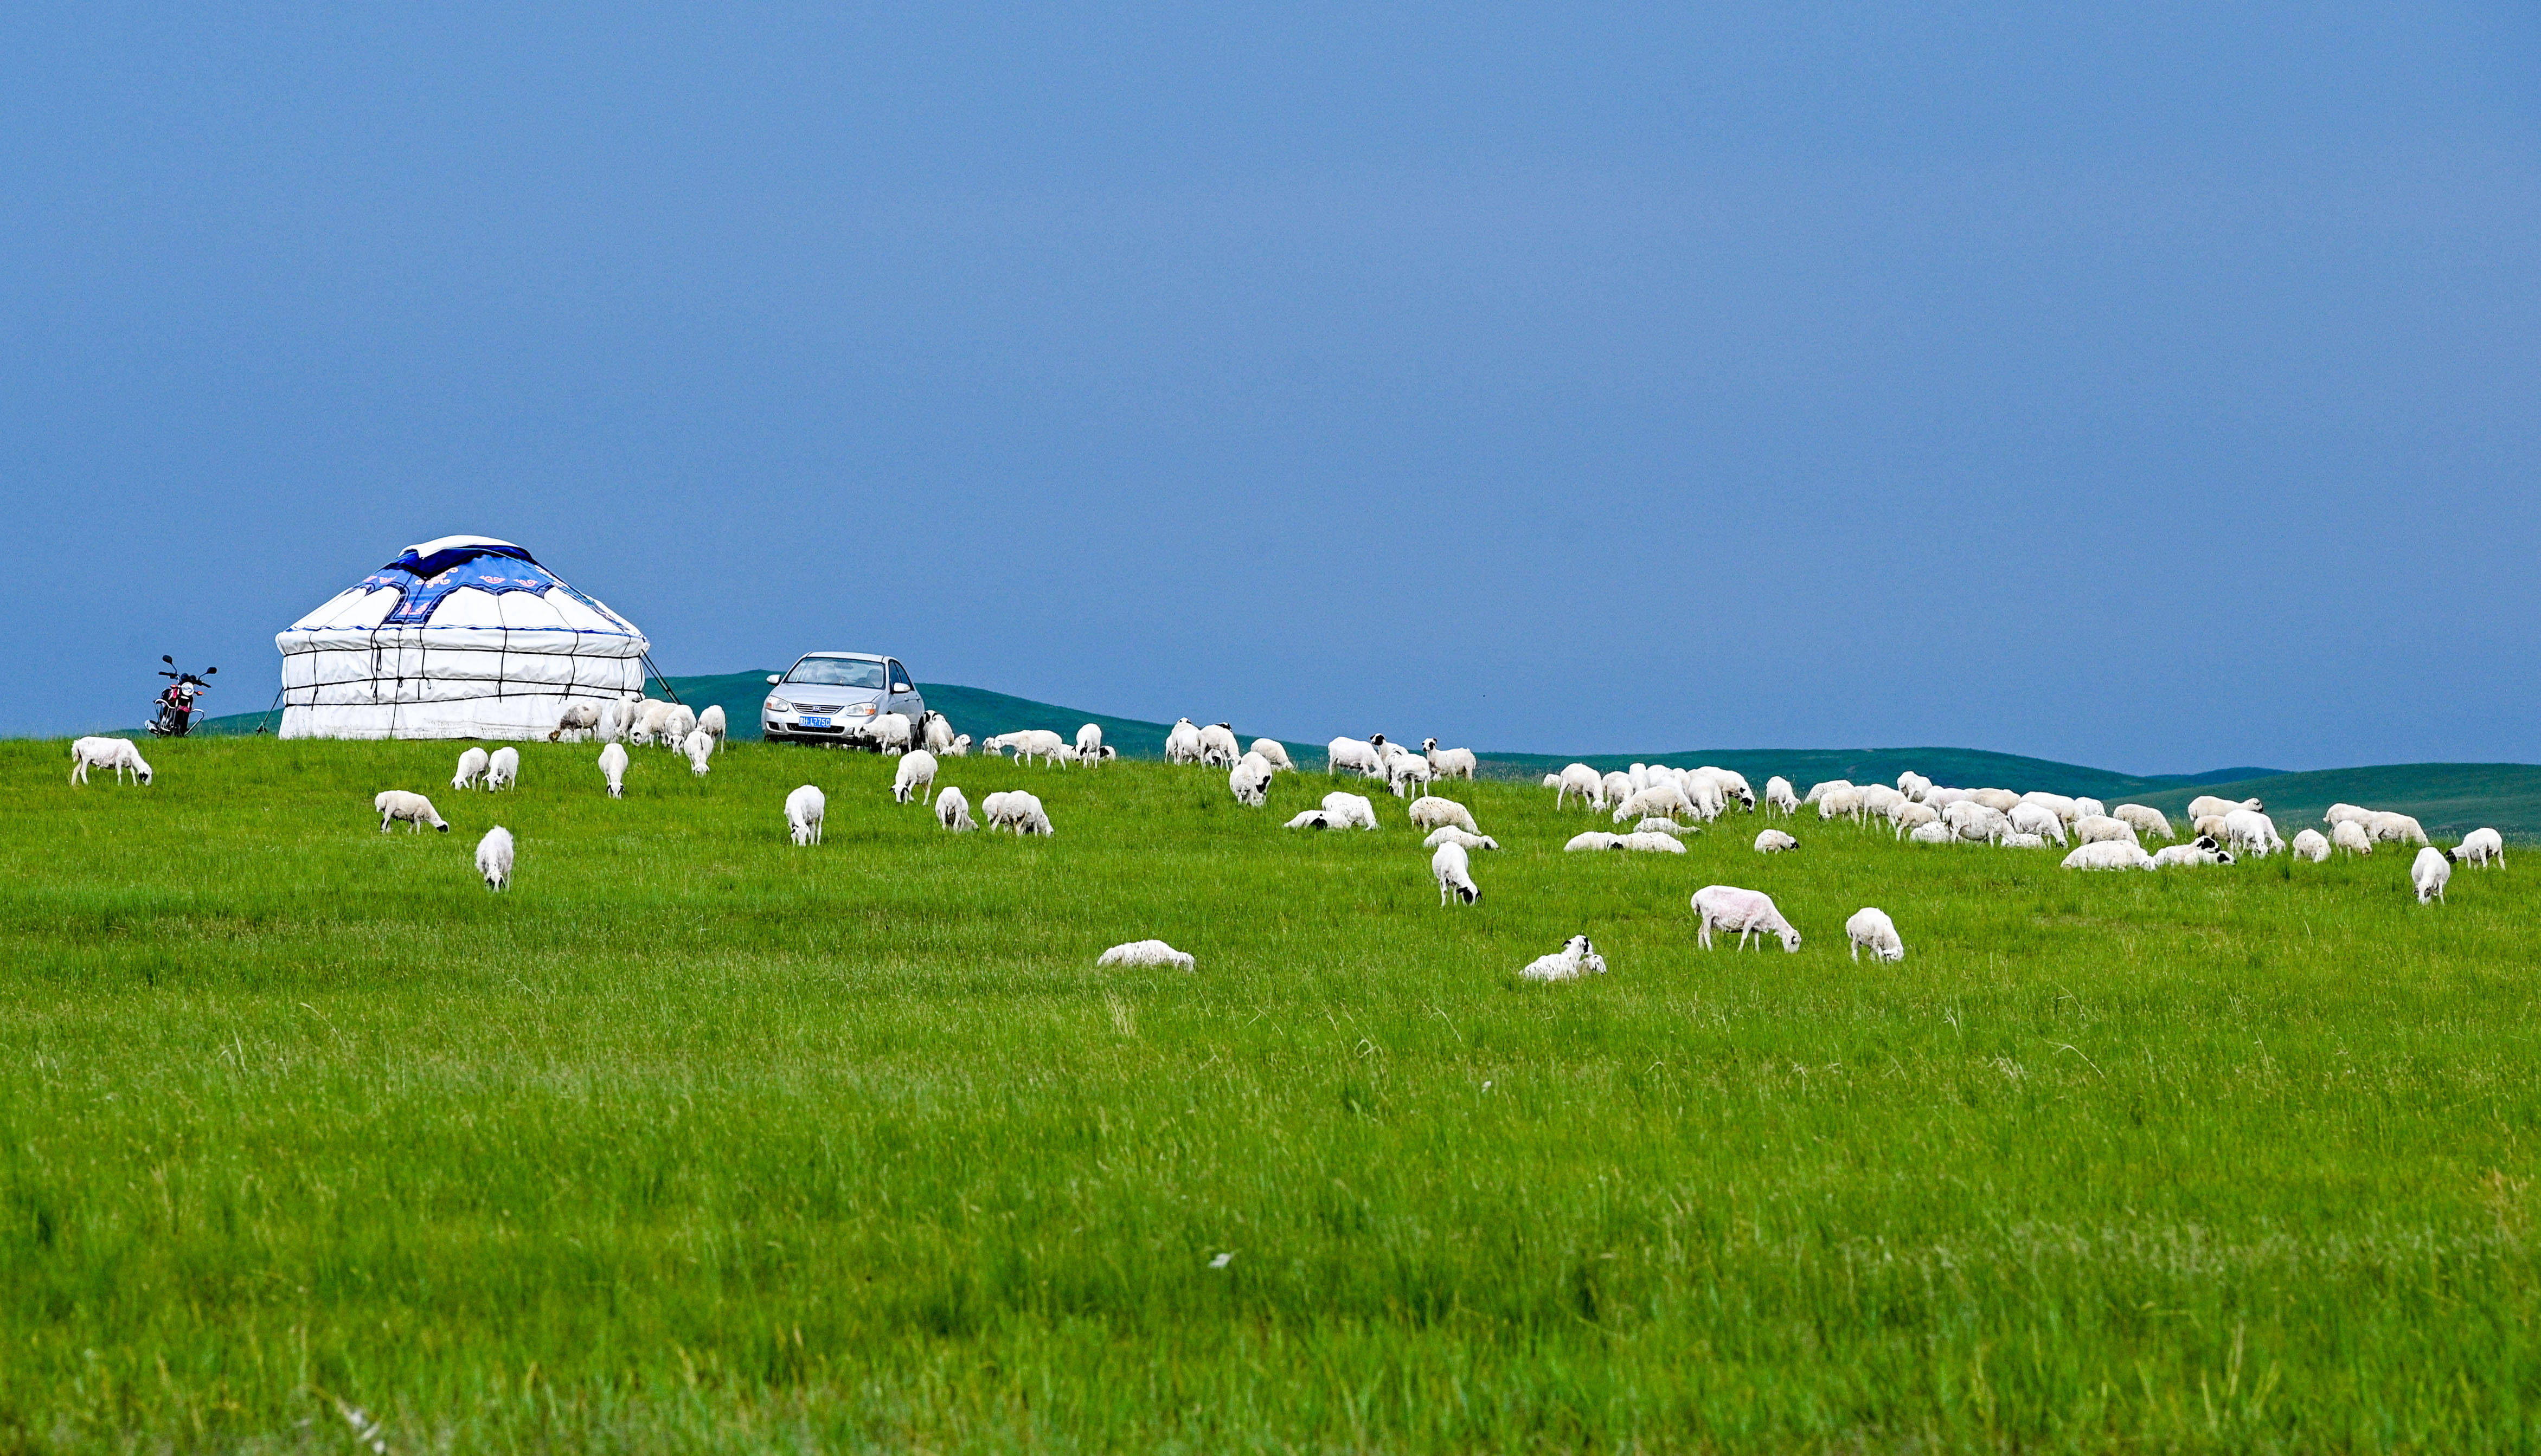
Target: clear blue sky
{"x": 2151, "y": 388}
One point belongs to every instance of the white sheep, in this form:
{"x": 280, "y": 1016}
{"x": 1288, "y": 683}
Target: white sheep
{"x": 2063, "y": 808}
{"x": 890, "y": 732}
{"x": 2208, "y": 826}
{"x": 1750, "y": 913}
{"x": 710, "y": 722}
{"x": 2342, "y": 811}
{"x": 1774, "y": 842}
{"x": 615, "y": 717}
{"x": 1250, "y": 780}
{"x": 1449, "y": 763}
{"x": 1942, "y": 799}
{"x": 805, "y": 810}
{"x": 1669, "y": 827}
{"x": 1662, "y": 800}
{"x": 2207, "y": 804}
{"x": 1879, "y": 799}
{"x": 699, "y": 745}
{"x": 1779, "y": 794}
{"x": 953, "y": 811}
{"x": 119, "y": 754}
{"x": 1974, "y": 822}
{"x": 2016, "y": 840}
{"x": 2039, "y": 819}
{"x": 1181, "y": 742}
{"x": 2430, "y": 874}
{"x": 1818, "y": 789}
{"x": 960, "y": 747}
{"x": 2109, "y": 854}
{"x": 2400, "y": 827}
{"x": 935, "y": 733}
{"x": 914, "y": 779}
{"x": 1145, "y": 953}
{"x": 471, "y": 769}
{"x": 2100, "y": 828}
{"x": 2146, "y": 819}
{"x": 1844, "y": 802}
{"x": 646, "y": 726}
{"x": 1910, "y": 817}
{"x": 1932, "y": 832}
{"x": 677, "y": 722}
{"x": 1016, "y": 810}
{"x": 1429, "y": 812}
{"x": 2000, "y": 800}
{"x": 2309, "y": 845}
{"x": 1089, "y": 741}
{"x": 1041, "y": 744}
{"x": 1592, "y": 840}
{"x": 417, "y": 810}
{"x": 1217, "y": 746}
{"x": 1870, "y": 927}
{"x": 1456, "y": 834}
{"x": 1405, "y": 770}
{"x": 503, "y": 768}
{"x": 2350, "y": 835}
{"x": 1351, "y": 809}
{"x": 2481, "y": 847}
{"x": 613, "y": 767}
{"x": 1580, "y": 779}
{"x": 1553, "y": 781}
{"x": 575, "y": 720}
{"x": 1275, "y": 752}
{"x": 494, "y": 857}
{"x": 2086, "y": 805}
{"x": 2251, "y": 832}
{"x": 1912, "y": 784}
{"x": 1577, "y": 957}
{"x": 2192, "y": 855}
{"x": 1453, "y": 868}
{"x": 1651, "y": 843}
{"x": 1316, "y": 820}
{"x": 1732, "y": 783}
{"x": 1614, "y": 787}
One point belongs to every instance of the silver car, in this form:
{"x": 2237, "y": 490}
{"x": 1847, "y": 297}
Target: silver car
{"x": 825, "y": 695}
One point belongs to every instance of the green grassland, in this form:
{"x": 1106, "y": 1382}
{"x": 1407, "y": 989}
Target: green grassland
{"x": 694, "y": 1141}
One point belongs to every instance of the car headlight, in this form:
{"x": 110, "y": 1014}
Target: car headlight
{"x": 777, "y": 704}
{"x": 861, "y": 710}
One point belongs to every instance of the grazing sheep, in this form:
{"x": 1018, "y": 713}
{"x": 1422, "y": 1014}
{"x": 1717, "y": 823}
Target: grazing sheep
{"x": 494, "y": 857}
{"x": 503, "y": 768}
{"x": 1089, "y": 741}
{"x": 2207, "y": 804}
{"x": 2083, "y": 807}
{"x": 953, "y": 811}
{"x": 1750, "y": 913}
{"x": 1217, "y": 746}
{"x": 2098, "y": 828}
{"x": 614, "y": 715}
{"x": 1275, "y": 752}
{"x": 1454, "y": 871}
{"x": 1774, "y": 842}
{"x": 2309, "y": 845}
{"x": 2109, "y": 854}
{"x": 960, "y": 747}
{"x": 2063, "y": 808}
{"x": 699, "y": 745}
{"x": 1429, "y": 812}
{"x": 119, "y": 754}
{"x": 471, "y": 769}
{"x": 1779, "y": 795}
{"x": 2015, "y": 840}
{"x": 2038, "y": 819}
{"x": 613, "y": 767}
{"x": 577, "y": 718}
{"x": 2388, "y": 825}
{"x": 1732, "y": 783}
{"x": 1316, "y": 820}
{"x": 2342, "y": 811}
{"x": 678, "y": 721}
{"x": 1932, "y": 832}
{"x": 1250, "y": 780}
{"x": 2481, "y": 847}
{"x": 1350, "y": 808}
{"x": 2208, "y": 826}
{"x": 2191, "y": 854}
{"x": 1662, "y": 800}
{"x": 935, "y": 733}
{"x": 1553, "y": 781}
{"x": 1614, "y": 789}
{"x": 2350, "y": 835}
{"x": 1592, "y": 840}
{"x": 2146, "y": 820}
{"x": 805, "y": 809}
{"x": 1587, "y": 783}
{"x": 1912, "y": 784}
{"x": 1942, "y": 799}
{"x": 1840, "y": 802}
{"x": 1457, "y": 834}
{"x": 711, "y": 724}
{"x": 1909, "y": 816}
{"x": 1449, "y": 763}
{"x": 2000, "y": 800}
{"x": 1182, "y": 741}
{"x": 2252, "y": 832}
{"x": 1974, "y": 822}
{"x": 1879, "y": 799}
{"x": 1018, "y": 811}
{"x": 1870, "y": 927}
{"x": 646, "y": 726}
{"x": 415, "y": 810}
{"x": 1356, "y": 755}
{"x": 1405, "y": 770}
{"x": 1819, "y": 791}
{"x": 1041, "y": 744}
{"x": 1650, "y": 844}
{"x": 1145, "y": 953}
{"x": 2432, "y": 870}
{"x": 1068, "y": 757}
{"x": 1577, "y": 957}
{"x": 914, "y": 779}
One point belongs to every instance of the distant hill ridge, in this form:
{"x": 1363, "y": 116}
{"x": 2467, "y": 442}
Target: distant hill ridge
{"x": 2449, "y": 798}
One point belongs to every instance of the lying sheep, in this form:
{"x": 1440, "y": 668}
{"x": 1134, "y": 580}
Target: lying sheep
{"x": 953, "y": 811}
{"x": 1577, "y": 957}
{"x": 1651, "y": 843}
{"x": 1217, "y": 747}
{"x": 805, "y": 810}
{"x": 2097, "y": 828}
{"x": 1779, "y": 795}
{"x": 1580, "y": 779}
{"x": 1774, "y": 842}
{"x": 1870, "y": 927}
{"x": 2481, "y": 847}
{"x": 699, "y": 747}
{"x": 1750, "y": 913}
{"x": 503, "y": 768}
{"x": 2191, "y": 854}
{"x": 2309, "y": 845}
{"x": 711, "y": 724}
{"x": 2109, "y": 854}
{"x": 1932, "y": 831}
{"x": 1145, "y": 953}
{"x": 2400, "y": 827}
{"x": 417, "y": 810}
{"x": 2430, "y": 874}
{"x": 1455, "y": 834}
{"x": 1453, "y": 868}
{"x": 1350, "y": 808}
{"x": 1275, "y": 752}
{"x": 2016, "y": 840}
{"x": 494, "y": 857}
{"x": 1666, "y": 827}
{"x": 2252, "y": 833}
{"x": 2145, "y": 820}
{"x": 1317, "y": 819}
{"x": 1592, "y": 840}
{"x": 1429, "y": 812}
{"x": 1352, "y": 755}
{"x": 576, "y": 718}
{"x": 2350, "y": 835}
{"x": 914, "y": 779}
{"x": 613, "y": 767}
{"x": 471, "y": 769}
{"x": 1250, "y": 780}
{"x": 119, "y": 754}
{"x": 1449, "y": 763}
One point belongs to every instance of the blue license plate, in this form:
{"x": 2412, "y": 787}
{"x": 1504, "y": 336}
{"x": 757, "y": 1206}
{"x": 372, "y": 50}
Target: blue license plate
{"x": 815, "y": 722}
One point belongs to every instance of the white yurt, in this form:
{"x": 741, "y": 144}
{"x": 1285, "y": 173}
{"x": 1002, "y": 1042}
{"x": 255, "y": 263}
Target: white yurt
{"x": 465, "y": 637}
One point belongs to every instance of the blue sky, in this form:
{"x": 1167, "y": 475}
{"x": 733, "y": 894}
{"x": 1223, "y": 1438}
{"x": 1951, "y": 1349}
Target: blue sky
{"x": 2151, "y": 388}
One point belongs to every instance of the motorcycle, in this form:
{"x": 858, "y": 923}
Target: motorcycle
{"x": 177, "y": 711}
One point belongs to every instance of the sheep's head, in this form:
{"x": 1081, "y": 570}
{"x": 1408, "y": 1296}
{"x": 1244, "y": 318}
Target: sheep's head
{"x": 1375, "y": 740}
{"x": 1428, "y": 745}
{"x": 1790, "y": 940}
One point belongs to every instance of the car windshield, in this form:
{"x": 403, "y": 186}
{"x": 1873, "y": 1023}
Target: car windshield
{"x": 836, "y": 672}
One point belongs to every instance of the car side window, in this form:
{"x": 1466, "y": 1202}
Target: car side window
{"x": 901, "y": 681}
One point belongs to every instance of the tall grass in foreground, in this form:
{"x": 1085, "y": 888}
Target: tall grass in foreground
{"x": 697, "y": 1140}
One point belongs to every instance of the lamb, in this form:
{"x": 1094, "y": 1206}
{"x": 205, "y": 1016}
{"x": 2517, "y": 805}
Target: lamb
{"x": 1181, "y": 742}
{"x": 1067, "y": 757}
{"x": 1650, "y": 844}
{"x": 699, "y": 745}
{"x": 1275, "y": 752}
{"x": 1429, "y": 812}
{"x": 1351, "y": 809}
{"x": 415, "y": 810}
{"x": 1870, "y": 927}
{"x": 1449, "y": 763}
{"x": 613, "y": 767}
{"x": 2388, "y": 825}
{"x": 935, "y": 733}
{"x": 2207, "y": 804}
{"x": 2096, "y": 828}
{"x": 1911, "y": 817}
{"x": 1577, "y": 957}
{"x": 2350, "y": 835}
{"x": 2191, "y": 854}
{"x": 577, "y": 718}
{"x": 1664, "y": 801}
{"x": 1250, "y": 780}
{"x": 1454, "y": 871}
{"x": 1145, "y": 953}
{"x": 1217, "y": 747}
{"x": 1750, "y": 913}
{"x": 2430, "y": 874}
{"x": 1405, "y": 770}
{"x": 1774, "y": 842}
{"x": 2309, "y": 845}
{"x": 2109, "y": 854}
{"x": 1456, "y": 834}
{"x": 1583, "y": 781}
{"x": 2038, "y": 819}
{"x": 1592, "y": 840}
{"x": 2146, "y": 820}
{"x": 1089, "y": 741}
{"x": 1932, "y": 832}
{"x": 914, "y": 779}
{"x": 471, "y": 769}
{"x": 2015, "y": 840}
{"x": 805, "y": 809}
{"x": 1780, "y": 795}
{"x": 711, "y": 724}
{"x": 2000, "y": 800}
{"x": 2481, "y": 847}
{"x": 1356, "y": 755}
{"x": 503, "y": 768}
{"x": 494, "y": 857}
{"x": 2253, "y": 832}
